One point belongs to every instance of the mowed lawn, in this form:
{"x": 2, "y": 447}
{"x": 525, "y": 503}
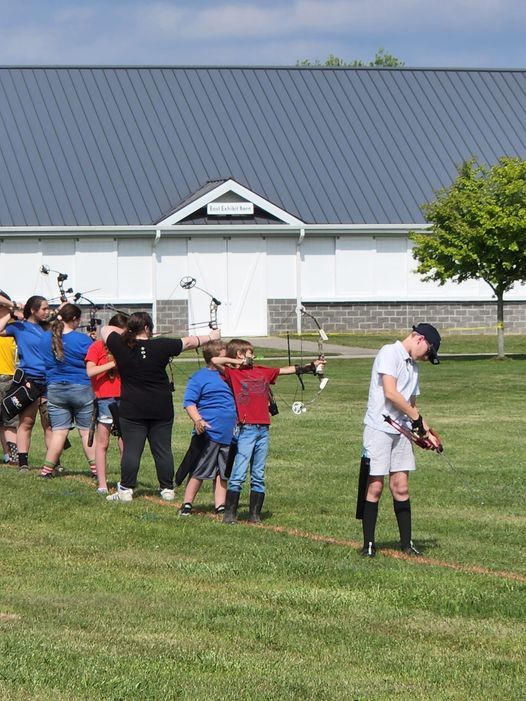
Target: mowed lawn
{"x": 130, "y": 601}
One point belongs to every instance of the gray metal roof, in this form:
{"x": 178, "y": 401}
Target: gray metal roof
{"x": 125, "y": 145}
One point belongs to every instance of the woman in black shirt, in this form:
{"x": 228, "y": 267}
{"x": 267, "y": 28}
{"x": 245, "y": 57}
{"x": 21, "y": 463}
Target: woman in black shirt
{"x": 146, "y": 406}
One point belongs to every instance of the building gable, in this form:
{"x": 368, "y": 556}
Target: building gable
{"x": 227, "y": 200}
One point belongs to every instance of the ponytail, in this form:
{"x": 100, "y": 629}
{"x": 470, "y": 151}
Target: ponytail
{"x": 65, "y": 315}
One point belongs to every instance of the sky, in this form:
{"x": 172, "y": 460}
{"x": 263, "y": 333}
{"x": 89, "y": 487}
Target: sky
{"x": 437, "y": 33}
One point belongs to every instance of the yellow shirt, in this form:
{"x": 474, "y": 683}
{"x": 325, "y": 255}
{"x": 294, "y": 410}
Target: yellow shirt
{"x": 7, "y": 355}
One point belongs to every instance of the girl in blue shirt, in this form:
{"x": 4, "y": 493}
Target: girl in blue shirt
{"x": 70, "y": 396}
{"x": 28, "y": 334}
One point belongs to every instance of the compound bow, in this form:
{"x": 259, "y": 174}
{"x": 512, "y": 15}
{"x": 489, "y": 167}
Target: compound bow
{"x": 61, "y": 278}
{"x": 300, "y": 407}
{"x": 91, "y": 326}
{"x": 188, "y": 283}
{"x": 429, "y": 441}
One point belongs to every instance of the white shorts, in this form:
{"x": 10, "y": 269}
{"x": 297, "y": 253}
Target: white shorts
{"x": 388, "y": 452}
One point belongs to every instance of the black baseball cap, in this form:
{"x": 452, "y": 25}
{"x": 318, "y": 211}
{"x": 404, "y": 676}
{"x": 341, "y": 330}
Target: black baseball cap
{"x": 432, "y": 337}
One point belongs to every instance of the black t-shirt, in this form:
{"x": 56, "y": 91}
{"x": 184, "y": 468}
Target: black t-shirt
{"x": 145, "y": 389}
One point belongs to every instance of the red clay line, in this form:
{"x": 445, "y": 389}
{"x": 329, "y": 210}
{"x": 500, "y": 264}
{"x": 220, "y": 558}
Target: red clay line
{"x": 317, "y": 538}
{"x": 395, "y": 554}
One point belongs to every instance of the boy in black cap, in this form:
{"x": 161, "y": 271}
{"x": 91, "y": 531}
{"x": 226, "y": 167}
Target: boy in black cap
{"x": 393, "y": 391}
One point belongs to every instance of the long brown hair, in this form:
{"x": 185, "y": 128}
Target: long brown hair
{"x": 68, "y": 313}
{"x": 137, "y": 323}
{"x": 32, "y": 306}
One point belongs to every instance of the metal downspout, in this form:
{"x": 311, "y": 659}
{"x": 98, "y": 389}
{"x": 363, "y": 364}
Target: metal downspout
{"x": 154, "y": 276}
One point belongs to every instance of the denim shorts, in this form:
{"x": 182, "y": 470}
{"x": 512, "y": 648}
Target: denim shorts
{"x": 104, "y": 414}
{"x": 67, "y": 403}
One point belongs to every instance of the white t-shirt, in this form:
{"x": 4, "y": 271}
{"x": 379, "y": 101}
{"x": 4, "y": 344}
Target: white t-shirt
{"x": 393, "y": 360}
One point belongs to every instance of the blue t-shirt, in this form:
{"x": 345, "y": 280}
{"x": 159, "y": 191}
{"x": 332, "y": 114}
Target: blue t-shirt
{"x": 28, "y": 337}
{"x": 214, "y": 400}
{"x": 72, "y": 368}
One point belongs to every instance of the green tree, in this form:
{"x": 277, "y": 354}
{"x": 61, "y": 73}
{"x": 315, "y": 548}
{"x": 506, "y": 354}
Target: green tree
{"x": 381, "y": 58}
{"x": 478, "y": 230}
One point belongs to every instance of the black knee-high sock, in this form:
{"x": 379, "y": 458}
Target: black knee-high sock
{"x": 402, "y": 511}
{"x": 23, "y": 459}
{"x": 370, "y": 514}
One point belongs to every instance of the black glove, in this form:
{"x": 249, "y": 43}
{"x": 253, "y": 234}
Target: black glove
{"x": 417, "y": 426}
{"x": 305, "y": 369}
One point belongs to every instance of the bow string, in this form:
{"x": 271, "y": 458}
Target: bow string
{"x": 301, "y": 405}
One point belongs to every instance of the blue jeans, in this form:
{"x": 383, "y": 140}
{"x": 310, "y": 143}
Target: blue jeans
{"x": 252, "y": 450}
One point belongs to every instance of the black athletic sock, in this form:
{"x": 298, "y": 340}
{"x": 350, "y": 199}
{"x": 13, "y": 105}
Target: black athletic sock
{"x": 402, "y": 511}
{"x": 370, "y": 514}
{"x": 23, "y": 459}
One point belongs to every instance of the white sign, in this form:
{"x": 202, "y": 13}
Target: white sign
{"x": 229, "y": 209}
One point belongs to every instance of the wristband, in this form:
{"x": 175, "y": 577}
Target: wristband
{"x": 417, "y": 426}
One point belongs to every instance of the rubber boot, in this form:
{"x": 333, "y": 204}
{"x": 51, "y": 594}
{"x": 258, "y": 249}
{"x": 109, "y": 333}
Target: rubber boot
{"x": 254, "y": 509}
{"x": 231, "y": 504}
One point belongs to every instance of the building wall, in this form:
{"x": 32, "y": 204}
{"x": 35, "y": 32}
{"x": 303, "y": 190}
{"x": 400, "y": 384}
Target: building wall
{"x": 353, "y": 283}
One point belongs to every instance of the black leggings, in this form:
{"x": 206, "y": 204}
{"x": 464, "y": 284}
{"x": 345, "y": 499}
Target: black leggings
{"x": 159, "y": 435}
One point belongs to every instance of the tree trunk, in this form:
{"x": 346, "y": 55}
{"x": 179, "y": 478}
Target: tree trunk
{"x": 500, "y": 325}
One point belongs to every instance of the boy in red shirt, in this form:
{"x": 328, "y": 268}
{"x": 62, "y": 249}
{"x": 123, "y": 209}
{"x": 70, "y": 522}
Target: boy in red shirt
{"x": 106, "y": 383}
{"x": 250, "y": 385}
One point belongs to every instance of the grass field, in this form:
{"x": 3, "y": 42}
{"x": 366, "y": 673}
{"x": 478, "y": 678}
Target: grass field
{"x": 117, "y": 602}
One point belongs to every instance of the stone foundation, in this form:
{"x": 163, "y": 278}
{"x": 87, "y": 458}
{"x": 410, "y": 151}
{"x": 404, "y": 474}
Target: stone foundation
{"x": 345, "y": 317}
{"x": 172, "y": 317}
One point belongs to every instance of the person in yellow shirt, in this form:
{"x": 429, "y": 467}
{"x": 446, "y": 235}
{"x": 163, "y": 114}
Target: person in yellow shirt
{"x": 8, "y": 427}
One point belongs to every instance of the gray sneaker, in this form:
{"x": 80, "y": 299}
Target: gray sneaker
{"x": 122, "y": 494}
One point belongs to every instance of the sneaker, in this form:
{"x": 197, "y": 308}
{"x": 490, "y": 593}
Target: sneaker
{"x": 368, "y": 550}
{"x": 6, "y": 459}
{"x": 122, "y": 494}
{"x": 44, "y": 475}
{"x": 102, "y": 490}
{"x": 186, "y": 510}
{"x": 23, "y": 469}
{"x": 220, "y": 510}
{"x": 168, "y": 494}
{"x": 411, "y": 551}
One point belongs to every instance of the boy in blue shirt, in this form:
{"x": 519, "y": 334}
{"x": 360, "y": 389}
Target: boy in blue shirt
{"x": 209, "y": 403}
